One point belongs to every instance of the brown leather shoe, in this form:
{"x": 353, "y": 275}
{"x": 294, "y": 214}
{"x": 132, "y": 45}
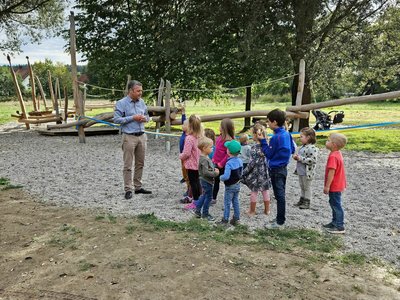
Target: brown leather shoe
{"x": 142, "y": 191}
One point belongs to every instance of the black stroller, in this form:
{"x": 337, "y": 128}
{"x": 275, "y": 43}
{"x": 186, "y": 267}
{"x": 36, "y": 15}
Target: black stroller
{"x": 324, "y": 120}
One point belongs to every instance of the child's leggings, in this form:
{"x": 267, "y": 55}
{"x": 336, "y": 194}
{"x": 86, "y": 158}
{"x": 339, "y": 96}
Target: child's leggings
{"x": 265, "y": 194}
{"x": 194, "y": 183}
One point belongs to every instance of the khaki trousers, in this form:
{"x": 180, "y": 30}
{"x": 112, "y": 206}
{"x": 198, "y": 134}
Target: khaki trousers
{"x": 134, "y": 148}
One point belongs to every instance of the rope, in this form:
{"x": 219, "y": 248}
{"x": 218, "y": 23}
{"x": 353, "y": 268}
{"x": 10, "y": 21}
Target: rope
{"x": 195, "y": 90}
{"x": 235, "y": 88}
{"x": 108, "y": 89}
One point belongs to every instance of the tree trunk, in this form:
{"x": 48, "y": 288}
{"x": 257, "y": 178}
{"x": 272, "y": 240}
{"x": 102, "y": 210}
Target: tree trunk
{"x": 247, "y": 123}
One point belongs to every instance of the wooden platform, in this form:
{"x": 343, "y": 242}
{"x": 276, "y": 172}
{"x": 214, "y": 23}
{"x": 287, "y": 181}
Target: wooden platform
{"x": 72, "y": 131}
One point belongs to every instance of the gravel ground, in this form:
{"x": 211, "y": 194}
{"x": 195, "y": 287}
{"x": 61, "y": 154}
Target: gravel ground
{"x": 62, "y": 171}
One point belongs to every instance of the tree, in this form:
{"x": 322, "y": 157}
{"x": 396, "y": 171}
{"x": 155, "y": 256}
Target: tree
{"x": 31, "y": 19}
{"x": 7, "y": 89}
{"x": 57, "y": 70}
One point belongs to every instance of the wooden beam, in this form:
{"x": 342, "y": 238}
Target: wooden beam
{"x": 344, "y": 101}
{"x": 32, "y": 82}
{"x": 19, "y": 94}
{"x": 42, "y": 92}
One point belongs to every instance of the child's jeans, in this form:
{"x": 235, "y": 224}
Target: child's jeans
{"x": 205, "y": 198}
{"x": 278, "y": 180}
{"x": 335, "y": 201}
{"x": 232, "y": 195}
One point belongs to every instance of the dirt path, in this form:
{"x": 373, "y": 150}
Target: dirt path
{"x": 49, "y": 252}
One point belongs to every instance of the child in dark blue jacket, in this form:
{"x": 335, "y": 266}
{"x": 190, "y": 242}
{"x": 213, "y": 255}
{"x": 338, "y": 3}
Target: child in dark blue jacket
{"x": 278, "y": 152}
{"x": 231, "y": 177}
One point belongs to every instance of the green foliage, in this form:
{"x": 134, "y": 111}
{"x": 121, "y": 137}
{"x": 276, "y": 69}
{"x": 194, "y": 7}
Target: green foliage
{"x": 57, "y": 70}
{"x": 29, "y": 20}
{"x": 7, "y": 89}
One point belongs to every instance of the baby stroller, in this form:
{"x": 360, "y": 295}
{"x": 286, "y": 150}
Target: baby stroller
{"x": 324, "y": 120}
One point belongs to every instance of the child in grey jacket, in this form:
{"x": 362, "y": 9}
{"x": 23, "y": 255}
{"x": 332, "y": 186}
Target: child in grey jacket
{"x": 306, "y": 161}
{"x": 207, "y": 173}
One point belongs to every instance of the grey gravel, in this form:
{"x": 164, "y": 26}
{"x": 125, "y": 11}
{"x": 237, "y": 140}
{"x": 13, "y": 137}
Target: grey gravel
{"x": 61, "y": 171}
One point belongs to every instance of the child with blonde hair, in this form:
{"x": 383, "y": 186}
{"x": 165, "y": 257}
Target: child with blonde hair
{"x": 305, "y": 168}
{"x": 208, "y": 132}
{"x": 190, "y": 157}
{"x": 255, "y": 175}
{"x": 245, "y": 149}
{"x": 227, "y": 133}
{"x": 188, "y": 194}
{"x": 335, "y": 181}
{"x": 207, "y": 173}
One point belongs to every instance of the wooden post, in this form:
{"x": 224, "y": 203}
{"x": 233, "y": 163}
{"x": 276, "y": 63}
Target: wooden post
{"x": 65, "y": 105}
{"x": 168, "y": 107}
{"x": 126, "y": 86}
{"x": 300, "y": 89}
{"x": 159, "y": 101}
{"x": 19, "y": 94}
{"x": 81, "y": 112}
{"x": 78, "y": 98}
{"x": 42, "y": 92}
{"x": 72, "y": 49}
{"x": 58, "y": 89}
{"x": 32, "y": 82}
{"x": 51, "y": 89}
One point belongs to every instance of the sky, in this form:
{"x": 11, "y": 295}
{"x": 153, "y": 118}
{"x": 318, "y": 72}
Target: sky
{"x": 52, "y": 49}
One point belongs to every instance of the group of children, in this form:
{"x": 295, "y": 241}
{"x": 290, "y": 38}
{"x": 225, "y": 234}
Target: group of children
{"x": 207, "y": 160}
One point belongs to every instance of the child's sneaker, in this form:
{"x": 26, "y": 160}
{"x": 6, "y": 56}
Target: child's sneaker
{"x": 197, "y": 213}
{"x": 209, "y": 218}
{"x": 336, "y": 230}
{"x": 274, "y": 225}
{"x": 191, "y": 206}
{"x": 328, "y": 226}
{"x": 186, "y": 200}
{"x": 223, "y": 222}
{"x": 234, "y": 222}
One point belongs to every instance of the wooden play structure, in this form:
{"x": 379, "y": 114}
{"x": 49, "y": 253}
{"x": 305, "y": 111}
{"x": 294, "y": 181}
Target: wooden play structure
{"x": 163, "y": 112}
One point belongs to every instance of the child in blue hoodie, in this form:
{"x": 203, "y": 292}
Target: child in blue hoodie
{"x": 278, "y": 152}
{"x": 231, "y": 177}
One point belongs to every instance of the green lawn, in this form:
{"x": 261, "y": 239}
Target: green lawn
{"x": 376, "y": 140}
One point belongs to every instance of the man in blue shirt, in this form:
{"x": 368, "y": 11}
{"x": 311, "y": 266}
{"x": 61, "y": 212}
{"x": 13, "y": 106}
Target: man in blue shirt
{"x": 131, "y": 112}
{"x": 278, "y": 152}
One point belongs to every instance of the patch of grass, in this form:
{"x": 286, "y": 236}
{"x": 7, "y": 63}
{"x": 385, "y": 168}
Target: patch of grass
{"x": 85, "y": 266}
{"x": 372, "y": 140}
{"x": 99, "y": 217}
{"x": 353, "y": 258}
{"x": 6, "y": 184}
{"x": 395, "y": 273}
{"x": 62, "y": 242}
{"x": 281, "y": 240}
{"x": 130, "y": 228}
{"x": 71, "y": 229}
{"x": 4, "y": 181}
{"x": 111, "y": 218}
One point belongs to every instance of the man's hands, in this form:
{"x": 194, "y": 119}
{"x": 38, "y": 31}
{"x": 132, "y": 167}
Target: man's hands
{"x": 139, "y": 118}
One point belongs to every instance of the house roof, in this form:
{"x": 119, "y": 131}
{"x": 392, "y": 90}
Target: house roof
{"x": 21, "y": 71}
